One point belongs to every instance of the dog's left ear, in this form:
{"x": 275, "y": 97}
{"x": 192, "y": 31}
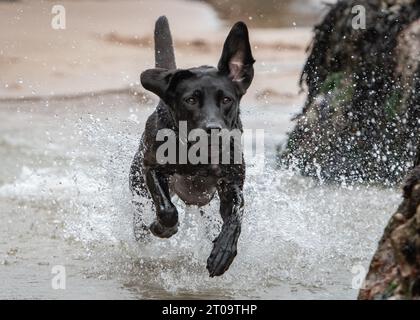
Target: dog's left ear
{"x": 236, "y": 60}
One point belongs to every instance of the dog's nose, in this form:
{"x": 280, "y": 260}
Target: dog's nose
{"x": 213, "y": 126}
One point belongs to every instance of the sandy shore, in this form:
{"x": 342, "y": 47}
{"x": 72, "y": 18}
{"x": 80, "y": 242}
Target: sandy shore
{"x": 107, "y": 49}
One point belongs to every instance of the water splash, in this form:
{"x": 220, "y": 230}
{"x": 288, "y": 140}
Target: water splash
{"x": 300, "y": 238}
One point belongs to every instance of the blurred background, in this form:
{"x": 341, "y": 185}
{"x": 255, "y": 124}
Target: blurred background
{"x": 271, "y": 13}
{"x": 106, "y": 44}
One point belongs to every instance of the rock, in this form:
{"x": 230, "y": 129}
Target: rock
{"x": 360, "y": 121}
{"x": 394, "y": 272}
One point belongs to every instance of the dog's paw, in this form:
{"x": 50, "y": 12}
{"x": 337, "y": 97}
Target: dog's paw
{"x": 161, "y": 231}
{"x": 168, "y": 216}
{"x": 224, "y": 250}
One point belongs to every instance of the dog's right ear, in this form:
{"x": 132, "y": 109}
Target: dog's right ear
{"x": 157, "y": 81}
{"x": 163, "y": 81}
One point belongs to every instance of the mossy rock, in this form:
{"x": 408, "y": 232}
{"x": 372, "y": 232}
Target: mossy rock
{"x": 394, "y": 272}
{"x": 360, "y": 121}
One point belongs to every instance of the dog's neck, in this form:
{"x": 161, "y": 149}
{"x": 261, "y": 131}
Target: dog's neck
{"x": 165, "y": 115}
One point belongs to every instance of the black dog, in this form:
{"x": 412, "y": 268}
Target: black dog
{"x": 206, "y": 98}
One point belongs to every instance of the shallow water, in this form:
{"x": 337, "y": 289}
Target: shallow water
{"x": 64, "y": 200}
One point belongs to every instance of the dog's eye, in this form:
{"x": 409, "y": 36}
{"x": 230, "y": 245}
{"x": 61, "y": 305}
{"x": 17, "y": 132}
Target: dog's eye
{"x": 226, "y": 100}
{"x": 191, "y": 100}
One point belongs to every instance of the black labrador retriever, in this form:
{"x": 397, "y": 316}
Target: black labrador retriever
{"x": 205, "y": 98}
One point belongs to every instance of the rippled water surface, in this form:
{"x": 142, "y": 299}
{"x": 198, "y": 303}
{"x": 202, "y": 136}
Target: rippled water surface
{"x": 64, "y": 200}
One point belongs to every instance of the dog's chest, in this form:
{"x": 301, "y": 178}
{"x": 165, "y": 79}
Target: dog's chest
{"x": 194, "y": 190}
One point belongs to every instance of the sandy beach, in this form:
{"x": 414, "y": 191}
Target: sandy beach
{"x": 106, "y": 49}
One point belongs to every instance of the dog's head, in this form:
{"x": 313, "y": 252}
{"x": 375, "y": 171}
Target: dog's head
{"x": 206, "y": 97}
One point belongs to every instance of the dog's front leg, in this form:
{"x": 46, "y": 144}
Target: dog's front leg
{"x": 166, "y": 223}
{"x": 224, "y": 248}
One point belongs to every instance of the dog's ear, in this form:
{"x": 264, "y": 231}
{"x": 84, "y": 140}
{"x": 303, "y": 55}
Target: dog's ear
{"x": 162, "y": 81}
{"x": 236, "y": 60}
{"x": 156, "y": 80}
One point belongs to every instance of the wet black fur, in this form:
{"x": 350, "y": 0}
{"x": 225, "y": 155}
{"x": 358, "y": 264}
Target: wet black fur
{"x": 209, "y": 88}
